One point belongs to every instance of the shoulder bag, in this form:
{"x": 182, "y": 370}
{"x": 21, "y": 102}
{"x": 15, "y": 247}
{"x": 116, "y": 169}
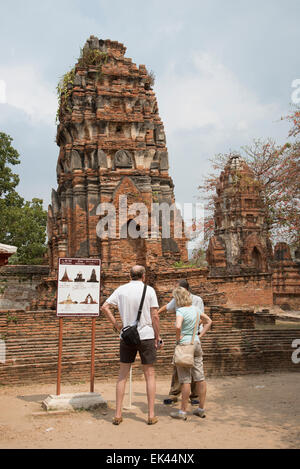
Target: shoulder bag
{"x": 130, "y": 334}
{"x": 184, "y": 353}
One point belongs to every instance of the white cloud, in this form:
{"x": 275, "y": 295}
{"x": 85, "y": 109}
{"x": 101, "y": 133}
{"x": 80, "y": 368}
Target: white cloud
{"x": 207, "y": 109}
{"x": 26, "y": 90}
{"x": 171, "y": 28}
{"x": 211, "y": 96}
{"x": 296, "y": 92}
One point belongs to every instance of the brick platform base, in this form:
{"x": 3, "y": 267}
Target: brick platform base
{"x": 32, "y": 342}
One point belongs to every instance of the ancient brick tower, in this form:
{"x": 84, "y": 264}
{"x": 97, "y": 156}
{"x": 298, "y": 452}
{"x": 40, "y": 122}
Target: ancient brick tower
{"x": 112, "y": 143}
{"x": 240, "y": 243}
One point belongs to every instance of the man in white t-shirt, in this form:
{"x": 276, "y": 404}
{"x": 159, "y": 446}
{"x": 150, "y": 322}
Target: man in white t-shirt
{"x": 127, "y": 298}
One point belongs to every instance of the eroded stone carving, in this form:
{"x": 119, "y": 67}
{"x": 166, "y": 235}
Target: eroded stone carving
{"x": 102, "y": 159}
{"x": 76, "y": 162}
{"x": 123, "y": 159}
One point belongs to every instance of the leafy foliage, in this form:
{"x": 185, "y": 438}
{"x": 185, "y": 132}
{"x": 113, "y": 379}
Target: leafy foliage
{"x": 88, "y": 57}
{"x": 92, "y": 57}
{"x": 151, "y": 77}
{"x": 22, "y": 224}
{"x": 64, "y": 90}
{"x": 199, "y": 257}
{"x": 8, "y": 155}
{"x": 182, "y": 265}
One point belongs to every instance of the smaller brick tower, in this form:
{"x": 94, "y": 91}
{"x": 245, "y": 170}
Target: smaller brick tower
{"x": 240, "y": 243}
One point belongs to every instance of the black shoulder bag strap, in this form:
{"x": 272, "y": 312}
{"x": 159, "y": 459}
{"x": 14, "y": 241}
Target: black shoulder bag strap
{"x": 141, "y": 304}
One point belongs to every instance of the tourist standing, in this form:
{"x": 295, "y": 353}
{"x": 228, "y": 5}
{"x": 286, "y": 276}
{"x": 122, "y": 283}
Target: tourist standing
{"x": 175, "y": 389}
{"x": 187, "y": 322}
{"x": 128, "y": 298}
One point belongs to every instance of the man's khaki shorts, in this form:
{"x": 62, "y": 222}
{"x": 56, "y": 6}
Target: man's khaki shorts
{"x": 185, "y": 375}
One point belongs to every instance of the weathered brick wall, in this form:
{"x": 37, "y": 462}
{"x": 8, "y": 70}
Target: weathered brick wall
{"x": 32, "y": 343}
{"x": 282, "y": 287}
{"x": 165, "y": 282}
{"x": 226, "y": 318}
{"x": 265, "y": 317}
{"x": 18, "y": 284}
{"x": 286, "y": 285}
{"x": 245, "y": 290}
{"x": 229, "y": 291}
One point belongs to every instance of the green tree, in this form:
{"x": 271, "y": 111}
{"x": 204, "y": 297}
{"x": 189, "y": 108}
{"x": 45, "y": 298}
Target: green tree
{"x": 22, "y": 224}
{"x": 8, "y": 155}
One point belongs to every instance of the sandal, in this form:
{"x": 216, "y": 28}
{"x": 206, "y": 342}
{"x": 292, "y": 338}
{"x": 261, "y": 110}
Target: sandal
{"x": 152, "y": 421}
{"x": 117, "y": 420}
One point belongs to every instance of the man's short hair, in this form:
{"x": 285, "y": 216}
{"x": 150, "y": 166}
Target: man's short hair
{"x": 137, "y": 272}
{"x": 184, "y": 283}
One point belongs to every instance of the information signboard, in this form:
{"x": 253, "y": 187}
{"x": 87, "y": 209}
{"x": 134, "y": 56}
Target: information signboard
{"x": 78, "y": 289}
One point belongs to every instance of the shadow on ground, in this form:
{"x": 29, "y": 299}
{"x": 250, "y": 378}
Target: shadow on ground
{"x": 33, "y": 398}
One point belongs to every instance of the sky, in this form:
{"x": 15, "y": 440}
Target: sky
{"x": 224, "y": 72}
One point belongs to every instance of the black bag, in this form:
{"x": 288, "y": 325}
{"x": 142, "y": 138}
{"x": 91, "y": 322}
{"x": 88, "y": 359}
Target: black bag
{"x": 130, "y": 334}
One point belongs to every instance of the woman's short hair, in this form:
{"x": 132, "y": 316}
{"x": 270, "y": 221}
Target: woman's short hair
{"x": 182, "y": 297}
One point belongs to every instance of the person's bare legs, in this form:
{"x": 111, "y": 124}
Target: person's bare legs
{"x": 185, "y": 394}
{"x": 201, "y": 387}
{"x": 194, "y": 392}
{"x": 149, "y": 374}
{"x": 120, "y": 388}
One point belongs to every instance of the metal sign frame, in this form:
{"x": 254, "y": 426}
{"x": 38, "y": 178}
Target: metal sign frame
{"x": 92, "y": 264}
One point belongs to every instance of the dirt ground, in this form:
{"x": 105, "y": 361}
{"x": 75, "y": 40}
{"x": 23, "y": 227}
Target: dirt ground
{"x": 253, "y": 411}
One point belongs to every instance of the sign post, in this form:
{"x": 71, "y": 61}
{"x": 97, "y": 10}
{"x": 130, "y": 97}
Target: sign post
{"x": 78, "y": 295}
{"x": 59, "y": 356}
{"x": 130, "y": 388}
{"x": 130, "y": 406}
{"x": 92, "y": 384}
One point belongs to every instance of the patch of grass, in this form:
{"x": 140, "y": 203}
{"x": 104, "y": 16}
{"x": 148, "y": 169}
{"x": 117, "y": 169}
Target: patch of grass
{"x": 11, "y": 318}
{"x": 92, "y": 57}
{"x": 3, "y": 287}
{"x": 65, "y": 86}
{"x": 64, "y": 90}
{"x": 182, "y": 265}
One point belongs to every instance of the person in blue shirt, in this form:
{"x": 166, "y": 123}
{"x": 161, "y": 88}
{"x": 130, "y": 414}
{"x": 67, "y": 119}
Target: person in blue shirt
{"x": 187, "y": 319}
{"x": 175, "y": 389}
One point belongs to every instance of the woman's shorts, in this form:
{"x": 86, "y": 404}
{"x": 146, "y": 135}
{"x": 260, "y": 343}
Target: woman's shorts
{"x": 185, "y": 375}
